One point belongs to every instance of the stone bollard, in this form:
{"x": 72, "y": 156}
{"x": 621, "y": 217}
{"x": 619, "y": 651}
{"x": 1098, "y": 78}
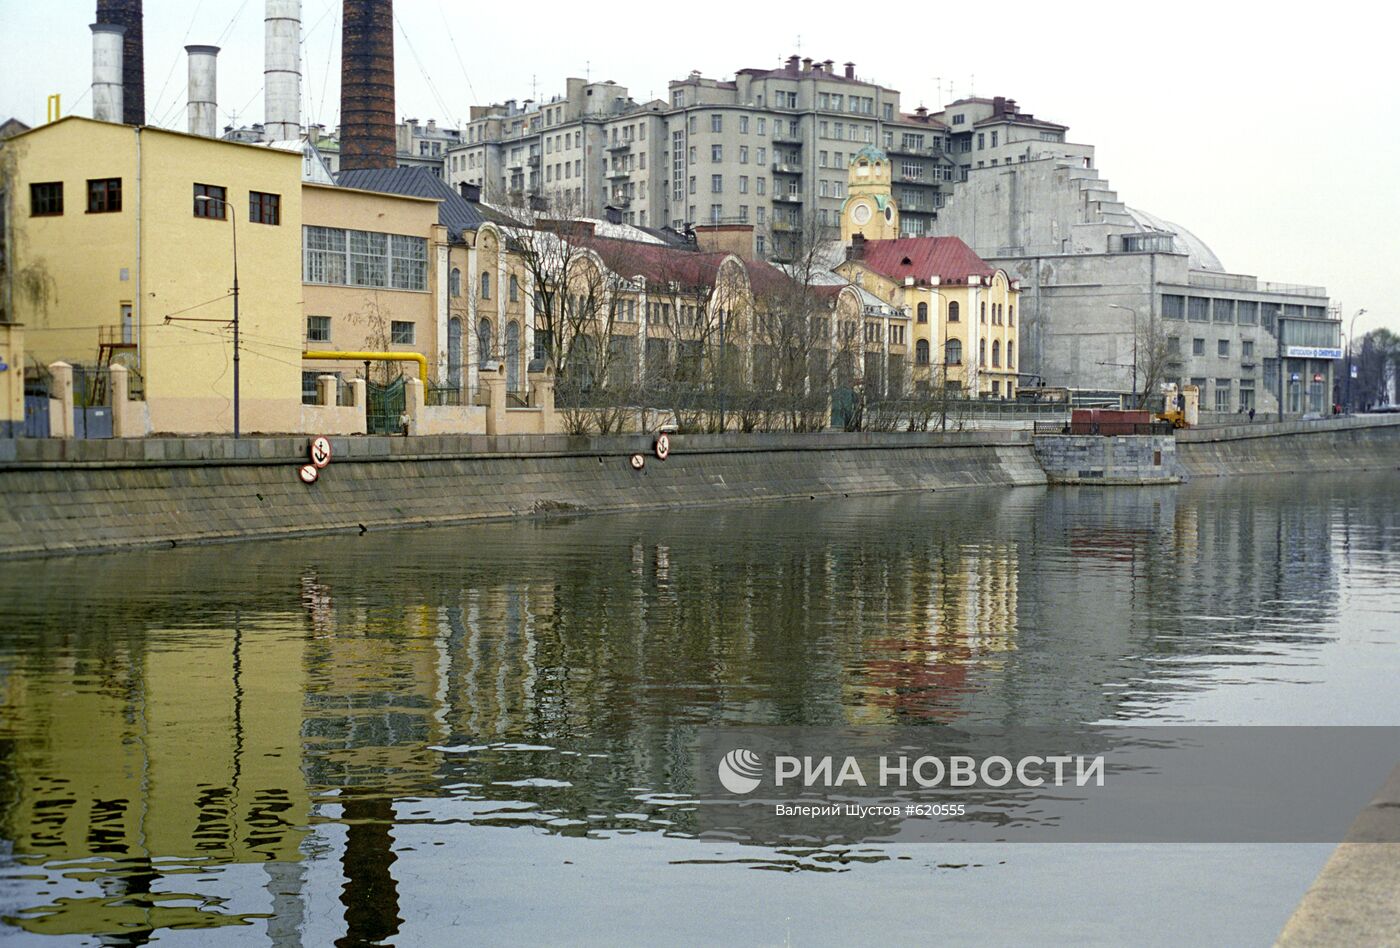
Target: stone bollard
{"x": 61, "y": 400}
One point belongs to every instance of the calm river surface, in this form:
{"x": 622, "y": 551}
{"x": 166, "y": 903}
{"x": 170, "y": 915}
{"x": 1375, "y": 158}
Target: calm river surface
{"x": 478, "y": 735}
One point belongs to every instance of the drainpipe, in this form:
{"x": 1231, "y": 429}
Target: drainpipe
{"x": 137, "y": 301}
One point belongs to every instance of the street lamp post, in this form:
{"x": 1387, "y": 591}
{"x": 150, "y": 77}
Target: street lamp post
{"x": 221, "y": 203}
{"x": 1351, "y": 334}
{"x": 1135, "y": 346}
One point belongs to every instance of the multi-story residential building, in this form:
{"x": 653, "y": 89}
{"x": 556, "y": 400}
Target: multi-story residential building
{"x": 592, "y": 148}
{"x": 425, "y": 146}
{"x": 1117, "y": 300}
{"x": 768, "y": 148}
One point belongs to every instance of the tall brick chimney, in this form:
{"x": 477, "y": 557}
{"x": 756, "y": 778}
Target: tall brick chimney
{"x": 127, "y": 13}
{"x": 367, "y": 131}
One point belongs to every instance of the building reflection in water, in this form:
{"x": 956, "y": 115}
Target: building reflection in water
{"x": 211, "y": 708}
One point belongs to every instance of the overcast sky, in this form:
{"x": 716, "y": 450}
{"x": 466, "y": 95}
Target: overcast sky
{"x": 1273, "y": 134}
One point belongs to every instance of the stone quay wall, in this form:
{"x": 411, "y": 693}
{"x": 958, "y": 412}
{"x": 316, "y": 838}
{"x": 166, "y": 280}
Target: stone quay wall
{"x": 69, "y": 496}
{"x": 1108, "y": 459}
{"x": 1352, "y": 443}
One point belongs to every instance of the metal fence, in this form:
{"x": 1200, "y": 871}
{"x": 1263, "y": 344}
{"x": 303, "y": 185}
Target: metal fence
{"x": 1107, "y": 429}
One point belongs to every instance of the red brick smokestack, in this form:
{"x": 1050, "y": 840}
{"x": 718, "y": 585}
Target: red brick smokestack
{"x": 127, "y": 13}
{"x": 367, "y": 128}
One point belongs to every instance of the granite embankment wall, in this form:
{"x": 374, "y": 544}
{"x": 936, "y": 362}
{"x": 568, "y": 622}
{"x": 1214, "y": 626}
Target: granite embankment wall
{"x": 90, "y": 496}
{"x": 1134, "y": 460}
{"x": 1365, "y": 443}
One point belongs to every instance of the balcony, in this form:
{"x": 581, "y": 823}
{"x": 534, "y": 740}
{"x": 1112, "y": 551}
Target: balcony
{"x": 786, "y": 227}
{"x": 618, "y": 174}
{"x": 786, "y": 137}
{"x": 782, "y": 168}
{"x": 619, "y": 145}
{"x": 920, "y": 152}
{"x": 787, "y": 198}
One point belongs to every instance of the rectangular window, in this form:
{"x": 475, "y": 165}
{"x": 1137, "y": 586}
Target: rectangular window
{"x": 210, "y": 200}
{"x": 1174, "y": 345}
{"x": 1247, "y": 313}
{"x": 761, "y": 185}
{"x": 743, "y": 184}
{"x": 716, "y": 123}
{"x": 46, "y": 200}
{"x": 264, "y": 208}
{"x": 762, "y": 125}
{"x": 104, "y": 195}
{"x": 318, "y": 329}
{"x": 716, "y": 152}
{"x": 743, "y": 154}
{"x": 743, "y": 213}
{"x": 1198, "y": 347}
{"x": 1222, "y": 394}
{"x": 1223, "y": 311}
{"x": 716, "y": 183}
{"x": 1222, "y": 348}
{"x": 1198, "y": 309}
{"x": 743, "y": 125}
{"x": 401, "y": 333}
{"x": 1247, "y": 349}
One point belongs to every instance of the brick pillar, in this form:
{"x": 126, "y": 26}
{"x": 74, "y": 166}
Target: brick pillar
{"x": 413, "y": 404}
{"x": 494, "y": 381}
{"x": 61, "y": 400}
{"x": 542, "y": 397}
{"x": 123, "y": 422}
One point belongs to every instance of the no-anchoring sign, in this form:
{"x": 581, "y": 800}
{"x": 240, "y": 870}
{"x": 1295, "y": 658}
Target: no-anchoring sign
{"x": 320, "y": 452}
{"x": 663, "y": 446}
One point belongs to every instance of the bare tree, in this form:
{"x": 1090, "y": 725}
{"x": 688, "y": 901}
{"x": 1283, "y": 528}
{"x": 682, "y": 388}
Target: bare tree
{"x": 1151, "y": 355}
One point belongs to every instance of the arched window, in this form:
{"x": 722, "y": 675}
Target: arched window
{"x": 483, "y": 343}
{"x": 953, "y": 351}
{"x": 996, "y": 353}
{"x": 514, "y": 289}
{"x": 1011, "y": 355}
{"x": 923, "y": 312}
{"x": 953, "y": 312}
{"x": 982, "y": 352}
{"x": 983, "y": 311}
{"x": 1010, "y": 321}
{"x": 512, "y": 356}
{"x": 485, "y": 284}
{"x": 454, "y": 350}
{"x": 454, "y": 284}
{"x": 921, "y": 350}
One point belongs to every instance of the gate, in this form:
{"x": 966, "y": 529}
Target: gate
{"x": 845, "y": 413}
{"x": 36, "y": 406}
{"x": 384, "y": 407}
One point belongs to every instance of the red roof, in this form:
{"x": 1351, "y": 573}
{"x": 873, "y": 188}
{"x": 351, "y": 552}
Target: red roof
{"x": 924, "y": 258}
{"x": 660, "y": 263}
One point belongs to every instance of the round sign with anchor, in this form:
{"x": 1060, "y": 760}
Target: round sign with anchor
{"x": 320, "y": 452}
{"x": 663, "y": 446}
{"x": 308, "y": 473}
{"x": 638, "y": 462}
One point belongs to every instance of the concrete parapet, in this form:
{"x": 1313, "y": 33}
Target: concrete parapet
{"x": 1355, "y": 443}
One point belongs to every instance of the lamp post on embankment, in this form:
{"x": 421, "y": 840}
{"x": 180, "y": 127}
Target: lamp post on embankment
{"x": 224, "y": 207}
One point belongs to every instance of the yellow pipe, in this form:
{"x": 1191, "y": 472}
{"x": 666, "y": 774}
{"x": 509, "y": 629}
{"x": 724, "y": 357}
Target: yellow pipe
{"x": 422, "y": 360}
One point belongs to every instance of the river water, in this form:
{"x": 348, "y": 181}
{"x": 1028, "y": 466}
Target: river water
{"x": 478, "y": 735}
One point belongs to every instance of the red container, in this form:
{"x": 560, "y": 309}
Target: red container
{"x": 1107, "y": 421}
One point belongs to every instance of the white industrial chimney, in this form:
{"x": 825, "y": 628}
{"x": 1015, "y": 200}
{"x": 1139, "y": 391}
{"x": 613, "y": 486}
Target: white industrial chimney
{"x": 282, "y": 71}
{"x": 204, "y": 90}
{"x": 107, "y": 71}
